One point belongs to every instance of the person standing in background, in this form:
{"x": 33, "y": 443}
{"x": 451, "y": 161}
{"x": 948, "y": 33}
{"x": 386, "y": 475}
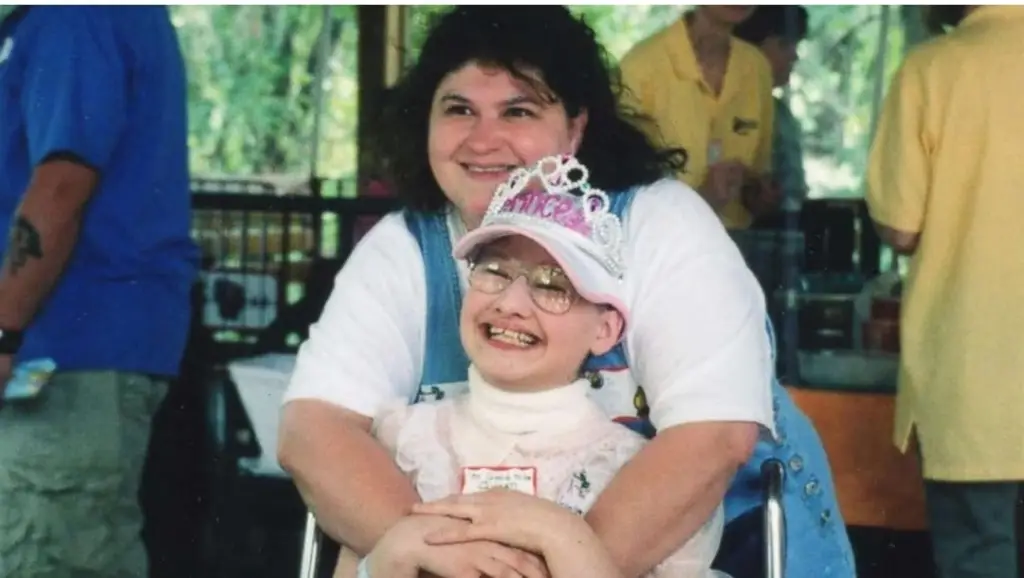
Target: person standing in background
{"x": 777, "y": 31}
{"x": 944, "y": 187}
{"x": 710, "y": 94}
{"x": 97, "y": 272}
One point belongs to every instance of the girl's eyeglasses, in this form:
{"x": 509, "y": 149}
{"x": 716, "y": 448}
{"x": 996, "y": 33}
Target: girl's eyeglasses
{"x": 550, "y": 288}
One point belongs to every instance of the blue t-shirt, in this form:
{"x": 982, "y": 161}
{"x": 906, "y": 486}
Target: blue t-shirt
{"x": 106, "y": 85}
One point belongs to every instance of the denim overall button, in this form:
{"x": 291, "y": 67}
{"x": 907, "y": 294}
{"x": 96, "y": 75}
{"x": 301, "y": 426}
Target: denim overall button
{"x": 811, "y": 488}
{"x": 826, "y": 515}
{"x": 796, "y": 463}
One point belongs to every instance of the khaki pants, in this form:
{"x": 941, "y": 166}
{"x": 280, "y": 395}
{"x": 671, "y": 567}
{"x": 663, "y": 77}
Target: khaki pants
{"x": 70, "y": 465}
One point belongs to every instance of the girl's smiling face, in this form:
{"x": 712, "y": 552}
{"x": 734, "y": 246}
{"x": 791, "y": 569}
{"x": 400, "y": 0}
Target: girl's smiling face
{"x": 515, "y": 343}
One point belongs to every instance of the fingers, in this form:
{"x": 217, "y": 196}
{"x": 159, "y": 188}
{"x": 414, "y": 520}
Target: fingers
{"x": 515, "y": 563}
{"x": 465, "y": 499}
{"x": 728, "y": 165}
{"x": 489, "y": 560}
{"x": 450, "y": 509}
{"x": 496, "y": 569}
{"x": 724, "y": 181}
{"x": 453, "y": 536}
{"x": 485, "y": 559}
{"x": 732, "y": 172}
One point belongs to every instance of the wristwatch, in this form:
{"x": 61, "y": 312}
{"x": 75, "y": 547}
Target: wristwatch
{"x": 10, "y": 341}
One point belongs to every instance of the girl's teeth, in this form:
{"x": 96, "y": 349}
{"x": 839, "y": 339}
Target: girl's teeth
{"x": 511, "y": 337}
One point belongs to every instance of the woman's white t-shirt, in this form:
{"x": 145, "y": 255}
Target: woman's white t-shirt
{"x": 696, "y": 341}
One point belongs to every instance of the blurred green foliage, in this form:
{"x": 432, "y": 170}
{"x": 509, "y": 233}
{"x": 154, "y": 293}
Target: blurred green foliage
{"x": 252, "y": 93}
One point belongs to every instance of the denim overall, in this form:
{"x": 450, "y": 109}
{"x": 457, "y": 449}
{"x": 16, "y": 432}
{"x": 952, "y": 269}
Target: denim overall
{"x": 817, "y": 544}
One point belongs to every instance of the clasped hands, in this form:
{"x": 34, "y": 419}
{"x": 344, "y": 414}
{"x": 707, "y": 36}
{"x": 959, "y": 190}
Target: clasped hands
{"x": 730, "y": 180}
{"x": 496, "y": 534}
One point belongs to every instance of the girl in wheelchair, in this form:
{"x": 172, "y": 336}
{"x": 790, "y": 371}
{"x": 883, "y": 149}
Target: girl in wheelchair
{"x": 544, "y": 295}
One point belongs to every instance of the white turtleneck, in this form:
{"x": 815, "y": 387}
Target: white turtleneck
{"x": 550, "y": 411}
{"x": 500, "y": 420}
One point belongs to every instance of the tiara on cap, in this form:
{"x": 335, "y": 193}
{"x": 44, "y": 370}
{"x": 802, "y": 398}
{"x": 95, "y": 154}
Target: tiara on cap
{"x": 566, "y": 200}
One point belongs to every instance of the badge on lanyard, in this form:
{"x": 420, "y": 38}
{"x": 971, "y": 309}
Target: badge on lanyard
{"x": 714, "y": 151}
{"x": 6, "y": 49}
{"x": 482, "y": 479}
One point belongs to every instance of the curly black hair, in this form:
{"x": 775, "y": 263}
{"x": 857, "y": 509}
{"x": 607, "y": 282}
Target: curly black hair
{"x": 767, "y": 21}
{"x": 939, "y": 18}
{"x": 574, "y": 68}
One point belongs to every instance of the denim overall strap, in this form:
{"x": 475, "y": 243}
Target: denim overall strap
{"x": 621, "y": 202}
{"x": 616, "y": 358}
{"x": 444, "y": 359}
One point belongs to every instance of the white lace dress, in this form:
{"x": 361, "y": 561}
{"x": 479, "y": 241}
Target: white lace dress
{"x": 574, "y": 448}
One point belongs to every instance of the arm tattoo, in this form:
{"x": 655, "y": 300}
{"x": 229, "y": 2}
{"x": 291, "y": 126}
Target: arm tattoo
{"x": 24, "y": 243}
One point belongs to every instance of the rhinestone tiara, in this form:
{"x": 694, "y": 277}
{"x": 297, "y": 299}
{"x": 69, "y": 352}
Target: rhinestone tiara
{"x": 556, "y": 192}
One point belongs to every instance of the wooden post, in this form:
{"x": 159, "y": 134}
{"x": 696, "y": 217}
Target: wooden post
{"x": 371, "y": 77}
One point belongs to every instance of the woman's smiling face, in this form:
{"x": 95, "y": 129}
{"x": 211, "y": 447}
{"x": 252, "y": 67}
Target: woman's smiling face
{"x": 484, "y": 123}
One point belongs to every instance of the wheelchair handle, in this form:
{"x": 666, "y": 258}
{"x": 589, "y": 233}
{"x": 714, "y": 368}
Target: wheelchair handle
{"x": 773, "y": 473}
{"x": 312, "y": 539}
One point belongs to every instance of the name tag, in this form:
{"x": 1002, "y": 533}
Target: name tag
{"x": 519, "y": 479}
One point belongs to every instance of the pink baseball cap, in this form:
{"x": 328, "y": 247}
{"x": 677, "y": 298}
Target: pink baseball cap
{"x": 553, "y": 205}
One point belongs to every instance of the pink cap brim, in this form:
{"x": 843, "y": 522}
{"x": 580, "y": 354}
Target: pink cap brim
{"x": 590, "y": 279}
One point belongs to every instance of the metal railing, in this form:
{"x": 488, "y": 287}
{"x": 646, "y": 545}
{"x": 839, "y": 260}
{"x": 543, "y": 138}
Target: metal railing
{"x": 263, "y": 252}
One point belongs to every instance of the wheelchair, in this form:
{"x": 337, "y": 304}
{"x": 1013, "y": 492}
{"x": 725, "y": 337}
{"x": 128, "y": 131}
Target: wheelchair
{"x": 312, "y": 564}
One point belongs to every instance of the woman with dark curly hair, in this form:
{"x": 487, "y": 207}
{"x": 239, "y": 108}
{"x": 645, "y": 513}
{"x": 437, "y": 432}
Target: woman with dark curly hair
{"x": 576, "y": 81}
{"x": 495, "y": 89}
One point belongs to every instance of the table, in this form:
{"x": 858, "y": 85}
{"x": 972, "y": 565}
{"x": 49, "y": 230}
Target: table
{"x": 261, "y": 382}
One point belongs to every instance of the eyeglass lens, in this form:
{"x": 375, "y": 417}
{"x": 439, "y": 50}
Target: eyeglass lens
{"x": 549, "y": 286}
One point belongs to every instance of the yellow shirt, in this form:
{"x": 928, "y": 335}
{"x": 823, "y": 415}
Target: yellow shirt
{"x": 665, "y": 79}
{"x": 946, "y": 162}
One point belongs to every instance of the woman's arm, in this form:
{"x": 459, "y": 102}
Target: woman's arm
{"x": 899, "y": 164}
{"x": 667, "y": 492}
{"x": 354, "y": 505}
{"x": 695, "y": 558}
{"x": 698, "y": 346}
{"x": 573, "y": 549}
{"x": 363, "y": 353}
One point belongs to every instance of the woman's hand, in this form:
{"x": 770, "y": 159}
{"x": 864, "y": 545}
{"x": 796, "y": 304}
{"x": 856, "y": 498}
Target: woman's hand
{"x": 723, "y": 183}
{"x": 509, "y": 517}
{"x": 761, "y": 194}
{"x": 403, "y": 553}
{"x": 564, "y": 539}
